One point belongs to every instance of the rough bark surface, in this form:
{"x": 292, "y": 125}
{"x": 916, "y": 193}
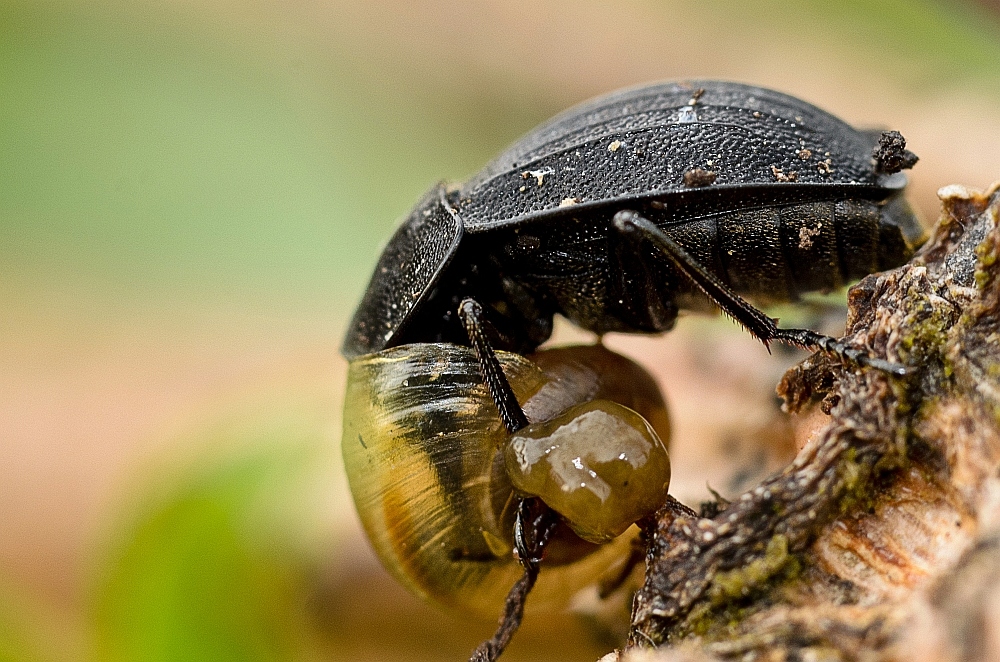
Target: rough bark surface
{"x": 881, "y": 540}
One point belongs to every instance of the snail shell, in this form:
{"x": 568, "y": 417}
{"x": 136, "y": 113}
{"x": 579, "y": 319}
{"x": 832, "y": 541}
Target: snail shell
{"x": 423, "y": 448}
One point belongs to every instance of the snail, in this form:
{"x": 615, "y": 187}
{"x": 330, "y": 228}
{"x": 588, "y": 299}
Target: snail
{"x": 436, "y": 478}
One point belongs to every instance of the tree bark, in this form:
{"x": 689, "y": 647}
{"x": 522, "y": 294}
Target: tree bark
{"x": 881, "y": 540}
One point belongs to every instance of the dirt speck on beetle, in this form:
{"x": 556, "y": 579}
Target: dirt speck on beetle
{"x": 537, "y": 174}
{"x": 782, "y": 176}
{"x": 699, "y": 177}
{"x": 806, "y": 235}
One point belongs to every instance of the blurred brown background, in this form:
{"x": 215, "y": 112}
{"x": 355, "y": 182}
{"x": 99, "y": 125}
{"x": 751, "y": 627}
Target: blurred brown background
{"x": 192, "y": 195}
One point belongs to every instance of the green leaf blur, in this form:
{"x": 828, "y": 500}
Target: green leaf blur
{"x": 197, "y": 578}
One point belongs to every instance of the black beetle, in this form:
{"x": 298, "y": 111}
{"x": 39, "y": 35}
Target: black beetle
{"x": 729, "y": 190}
{"x": 625, "y": 209}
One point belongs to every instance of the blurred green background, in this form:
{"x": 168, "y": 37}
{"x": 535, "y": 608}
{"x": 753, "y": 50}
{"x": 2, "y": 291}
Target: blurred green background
{"x": 192, "y": 195}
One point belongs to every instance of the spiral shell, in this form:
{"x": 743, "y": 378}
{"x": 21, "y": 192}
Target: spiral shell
{"x": 423, "y": 446}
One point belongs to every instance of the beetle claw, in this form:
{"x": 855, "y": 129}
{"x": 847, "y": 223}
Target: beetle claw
{"x": 533, "y": 526}
{"x": 888, "y": 367}
{"x": 811, "y": 340}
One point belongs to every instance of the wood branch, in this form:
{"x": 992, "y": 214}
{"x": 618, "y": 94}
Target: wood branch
{"x": 881, "y": 540}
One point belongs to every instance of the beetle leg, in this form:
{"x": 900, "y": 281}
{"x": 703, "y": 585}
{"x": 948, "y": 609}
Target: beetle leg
{"x": 647, "y": 526}
{"x": 525, "y": 527}
{"x": 533, "y": 527}
{"x": 608, "y": 585}
{"x": 535, "y": 522}
{"x": 633, "y": 226}
{"x": 510, "y": 619}
{"x": 511, "y": 413}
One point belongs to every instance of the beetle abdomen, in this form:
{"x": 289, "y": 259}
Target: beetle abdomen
{"x": 774, "y": 254}
{"x": 769, "y": 253}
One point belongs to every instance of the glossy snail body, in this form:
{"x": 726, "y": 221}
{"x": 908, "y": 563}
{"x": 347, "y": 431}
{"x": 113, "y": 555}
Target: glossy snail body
{"x": 424, "y": 450}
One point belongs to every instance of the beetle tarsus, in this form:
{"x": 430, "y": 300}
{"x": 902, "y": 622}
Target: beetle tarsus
{"x": 471, "y": 314}
{"x": 510, "y": 620}
{"x": 533, "y": 528}
{"x": 637, "y": 229}
{"x": 812, "y": 340}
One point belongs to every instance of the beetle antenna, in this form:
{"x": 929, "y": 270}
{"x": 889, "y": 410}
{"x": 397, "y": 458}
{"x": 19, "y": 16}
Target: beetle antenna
{"x": 636, "y": 228}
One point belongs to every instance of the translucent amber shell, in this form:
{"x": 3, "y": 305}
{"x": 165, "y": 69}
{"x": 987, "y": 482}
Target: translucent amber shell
{"x": 423, "y": 445}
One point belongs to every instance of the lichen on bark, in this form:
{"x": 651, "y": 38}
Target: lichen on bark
{"x": 881, "y": 539}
